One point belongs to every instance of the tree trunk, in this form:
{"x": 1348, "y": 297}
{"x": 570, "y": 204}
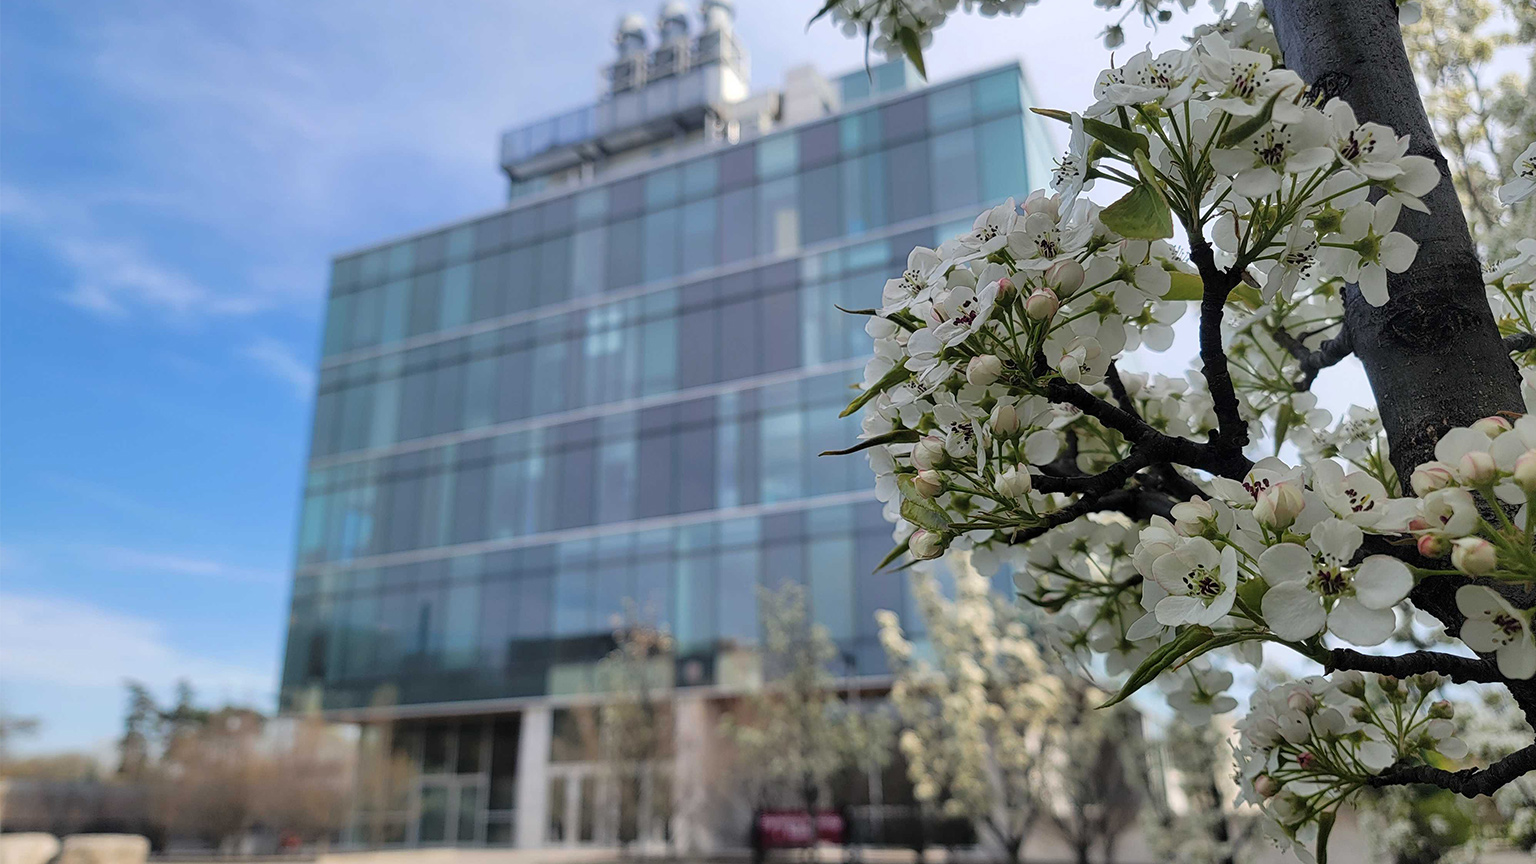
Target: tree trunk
{"x": 1433, "y": 352}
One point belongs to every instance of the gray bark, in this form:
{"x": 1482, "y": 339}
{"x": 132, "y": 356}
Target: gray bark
{"x": 1433, "y": 353}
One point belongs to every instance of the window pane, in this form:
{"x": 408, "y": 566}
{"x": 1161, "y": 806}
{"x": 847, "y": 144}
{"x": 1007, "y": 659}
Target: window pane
{"x": 700, "y": 177}
{"x": 907, "y": 176}
{"x": 859, "y": 132}
{"x": 660, "y": 244}
{"x": 461, "y": 243}
{"x": 997, "y": 92}
{"x": 623, "y": 254}
{"x": 778, "y": 218}
{"x": 821, "y": 216}
{"x": 738, "y": 167}
{"x": 777, "y": 156}
{"x": 554, "y": 271}
{"x": 904, "y": 120}
{"x": 1001, "y": 143}
{"x": 953, "y": 156}
{"x": 950, "y": 107}
{"x": 661, "y": 188}
{"x": 736, "y": 221}
{"x": 588, "y": 260}
{"x": 454, "y": 310}
{"x": 426, "y": 298}
{"x": 592, "y": 205}
{"x": 818, "y": 145}
{"x": 699, "y": 241}
{"x": 863, "y": 193}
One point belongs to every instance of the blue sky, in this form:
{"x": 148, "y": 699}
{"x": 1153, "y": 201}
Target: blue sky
{"x": 174, "y": 178}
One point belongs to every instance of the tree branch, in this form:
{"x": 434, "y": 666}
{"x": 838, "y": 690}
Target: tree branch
{"x": 1232, "y": 433}
{"x": 1461, "y": 670}
{"x": 1468, "y": 782}
{"x": 1329, "y": 353}
{"x": 1137, "y": 503}
{"x": 1520, "y": 342}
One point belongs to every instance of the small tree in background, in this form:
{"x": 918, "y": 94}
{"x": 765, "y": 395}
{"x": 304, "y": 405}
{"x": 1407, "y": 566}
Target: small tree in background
{"x": 1091, "y": 789}
{"x": 978, "y": 717}
{"x": 795, "y": 733}
{"x": 636, "y": 723}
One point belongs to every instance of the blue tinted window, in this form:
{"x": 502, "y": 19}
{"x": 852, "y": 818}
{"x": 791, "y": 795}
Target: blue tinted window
{"x": 997, "y": 92}
{"x": 777, "y": 155}
{"x": 953, "y": 157}
{"x": 700, "y": 177}
{"x": 1001, "y": 149}
{"x": 661, "y": 188}
{"x": 949, "y": 107}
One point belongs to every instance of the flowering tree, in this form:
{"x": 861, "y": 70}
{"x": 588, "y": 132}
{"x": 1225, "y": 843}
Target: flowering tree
{"x": 636, "y": 722}
{"x": 1290, "y": 149}
{"x": 975, "y": 720}
{"x": 795, "y": 733}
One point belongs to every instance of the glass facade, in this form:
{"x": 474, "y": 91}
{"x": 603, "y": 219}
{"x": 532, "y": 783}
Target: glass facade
{"x": 615, "y": 392}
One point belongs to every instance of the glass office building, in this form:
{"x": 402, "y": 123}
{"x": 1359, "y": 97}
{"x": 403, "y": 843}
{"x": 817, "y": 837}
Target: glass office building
{"x": 611, "y": 394}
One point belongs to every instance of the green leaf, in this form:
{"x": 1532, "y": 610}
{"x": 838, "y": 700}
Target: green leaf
{"x": 897, "y": 552}
{"x": 831, "y": 4}
{"x": 1117, "y": 138}
{"x": 918, "y": 510}
{"x": 856, "y": 311}
{"x": 1184, "y": 286}
{"x": 1143, "y": 214}
{"x": 1243, "y": 131}
{"x": 1252, "y": 592}
{"x": 912, "y": 45}
{"x": 1222, "y": 640}
{"x": 895, "y": 436}
{"x": 1324, "y": 828}
{"x": 890, "y": 379}
{"x": 1160, "y": 660}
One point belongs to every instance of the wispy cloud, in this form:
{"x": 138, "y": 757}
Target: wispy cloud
{"x": 54, "y": 641}
{"x": 181, "y": 564}
{"x": 106, "y": 496}
{"x": 280, "y": 361}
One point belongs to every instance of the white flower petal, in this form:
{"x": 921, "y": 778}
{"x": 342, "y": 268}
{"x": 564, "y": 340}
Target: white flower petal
{"x": 1352, "y": 621}
{"x": 1382, "y": 582}
{"x": 1292, "y": 611}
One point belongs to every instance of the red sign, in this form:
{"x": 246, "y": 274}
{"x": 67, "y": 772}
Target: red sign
{"x": 791, "y": 829}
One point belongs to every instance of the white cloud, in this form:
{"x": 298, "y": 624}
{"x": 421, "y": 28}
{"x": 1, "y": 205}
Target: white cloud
{"x": 178, "y": 564}
{"x": 56, "y": 642}
{"x": 280, "y": 361}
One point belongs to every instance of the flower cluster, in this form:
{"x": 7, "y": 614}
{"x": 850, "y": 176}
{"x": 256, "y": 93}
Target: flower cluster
{"x": 1306, "y": 745}
{"x": 1000, "y": 426}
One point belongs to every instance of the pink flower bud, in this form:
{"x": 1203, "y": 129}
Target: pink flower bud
{"x": 1525, "y": 471}
{"x": 1302, "y": 701}
{"x": 928, "y": 452}
{"x": 1493, "y": 426}
{"x": 1189, "y": 517}
{"x": 1065, "y": 276}
{"x": 1433, "y": 545}
{"x": 926, "y": 545}
{"x": 1005, "y": 420}
{"x": 1477, "y": 468}
{"x": 1041, "y": 304}
{"x": 1431, "y": 476}
{"x": 1442, "y": 710}
{"x": 1266, "y": 786}
{"x": 1474, "y": 556}
{"x": 1014, "y": 483}
{"x": 1278, "y": 506}
{"x": 928, "y": 483}
{"x": 1004, "y": 289}
{"x": 1307, "y": 759}
{"x": 983, "y": 369}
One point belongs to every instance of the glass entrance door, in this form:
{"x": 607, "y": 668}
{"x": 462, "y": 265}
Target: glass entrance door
{"x": 451, "y": 810}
